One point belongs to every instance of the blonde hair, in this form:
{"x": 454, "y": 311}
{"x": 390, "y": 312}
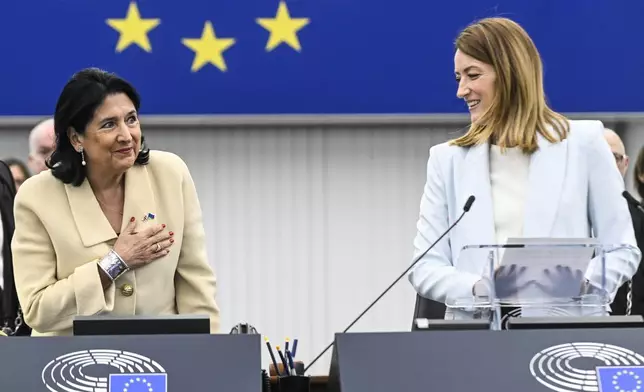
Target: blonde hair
{"x": 519, "y": 110}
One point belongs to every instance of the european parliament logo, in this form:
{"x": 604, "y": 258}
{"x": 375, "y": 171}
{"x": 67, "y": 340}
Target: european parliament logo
{"x": 104, "y": 371}
{"x": 588, "y": 367}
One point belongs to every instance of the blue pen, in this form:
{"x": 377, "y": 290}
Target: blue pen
{"x": 290, "y": 362}
{"x": 294, "y": 347}
{"x": 286, "y": 344}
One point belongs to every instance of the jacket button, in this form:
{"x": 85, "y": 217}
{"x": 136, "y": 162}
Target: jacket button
{"x": 127, "y": 290}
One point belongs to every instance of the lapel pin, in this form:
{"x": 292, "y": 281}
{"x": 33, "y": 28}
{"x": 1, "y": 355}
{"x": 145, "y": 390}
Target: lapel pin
{"x": 149, "y": 216}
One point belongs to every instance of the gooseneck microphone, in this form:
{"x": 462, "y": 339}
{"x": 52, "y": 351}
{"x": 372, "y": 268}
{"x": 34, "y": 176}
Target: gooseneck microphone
{"x": 466, "y": 208}
{"x": 633, "y": 201}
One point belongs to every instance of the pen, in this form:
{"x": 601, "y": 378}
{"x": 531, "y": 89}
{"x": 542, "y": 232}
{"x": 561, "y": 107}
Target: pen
{"x": 290, "y": 362}
{"x": 270, "y": 351}
{"x": 283, "y": 360}
{"x": 294, "y": 347}
{"x": 286, "y": 344}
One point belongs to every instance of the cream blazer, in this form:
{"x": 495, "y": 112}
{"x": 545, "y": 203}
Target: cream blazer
{"x": 61, "y": 233}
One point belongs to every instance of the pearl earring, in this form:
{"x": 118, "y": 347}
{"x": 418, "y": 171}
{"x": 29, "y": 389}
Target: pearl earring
{"x": 82, "y": 156}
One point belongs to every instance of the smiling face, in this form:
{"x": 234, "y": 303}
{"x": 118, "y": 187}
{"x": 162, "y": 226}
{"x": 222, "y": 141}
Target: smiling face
{"x": 112, "y": 139}
{"x": 476, "y": 83}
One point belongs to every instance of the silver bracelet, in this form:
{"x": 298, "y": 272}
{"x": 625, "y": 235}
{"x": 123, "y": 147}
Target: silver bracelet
{"x": 113, "y": 265}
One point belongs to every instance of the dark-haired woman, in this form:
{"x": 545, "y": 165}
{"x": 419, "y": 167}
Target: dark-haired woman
{"x": 113, "y": 228}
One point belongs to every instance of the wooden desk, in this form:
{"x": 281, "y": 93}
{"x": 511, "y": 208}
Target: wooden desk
{"x": 318, "y": 383}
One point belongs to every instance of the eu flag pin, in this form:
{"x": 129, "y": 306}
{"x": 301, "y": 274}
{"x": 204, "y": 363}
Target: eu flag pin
{"x": 149, "y": 216}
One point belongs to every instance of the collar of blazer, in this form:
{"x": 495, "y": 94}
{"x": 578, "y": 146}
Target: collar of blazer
{"x": 545, "y": 182}
{"x": 92, "y": 224}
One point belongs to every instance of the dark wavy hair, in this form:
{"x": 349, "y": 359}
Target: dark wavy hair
{"x": 76, "y": 107}
{"x": 638, "y": 171}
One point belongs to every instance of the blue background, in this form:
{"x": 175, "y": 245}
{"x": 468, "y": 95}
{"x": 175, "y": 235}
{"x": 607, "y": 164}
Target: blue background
{"x": 358, "y": 56}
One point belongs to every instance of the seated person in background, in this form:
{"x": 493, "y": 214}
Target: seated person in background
{"x": 113, "y": 228}
{"x": 630, "y": 297}
{"x": 19, "y": 171}
{"x": 638, "y": 174}
{"x": 11, "y": 319}
{"x": 42, "y": 142}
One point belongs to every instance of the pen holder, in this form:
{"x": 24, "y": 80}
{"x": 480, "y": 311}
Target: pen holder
{"x": 299, "y": 368}
{"x": 294, "y": 384}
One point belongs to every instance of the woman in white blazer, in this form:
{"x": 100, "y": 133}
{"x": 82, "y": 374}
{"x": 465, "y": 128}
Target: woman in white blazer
{"x": 534, "y": 173}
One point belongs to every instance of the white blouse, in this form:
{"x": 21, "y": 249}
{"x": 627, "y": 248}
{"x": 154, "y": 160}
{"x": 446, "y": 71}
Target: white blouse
{"x": 509, "y": 181}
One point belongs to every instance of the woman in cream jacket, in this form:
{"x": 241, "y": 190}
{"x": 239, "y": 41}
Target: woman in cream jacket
{"x": 112, "y": 228}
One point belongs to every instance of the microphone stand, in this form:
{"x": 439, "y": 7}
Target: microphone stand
{"x": 466, "y": 208}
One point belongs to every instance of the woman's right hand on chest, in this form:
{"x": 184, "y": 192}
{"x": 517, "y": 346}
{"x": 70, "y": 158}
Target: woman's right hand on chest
{"x": 139, "y": 248}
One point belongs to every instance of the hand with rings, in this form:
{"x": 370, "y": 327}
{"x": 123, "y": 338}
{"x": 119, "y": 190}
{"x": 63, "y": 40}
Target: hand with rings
{"x": 140, "y": 248}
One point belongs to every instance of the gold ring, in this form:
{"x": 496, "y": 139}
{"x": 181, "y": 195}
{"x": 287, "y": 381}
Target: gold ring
{"x": 158, "y": 247}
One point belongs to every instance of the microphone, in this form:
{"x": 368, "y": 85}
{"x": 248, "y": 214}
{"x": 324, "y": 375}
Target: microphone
{"x": 466, "y": 208}
{"x": 633, "y": 201}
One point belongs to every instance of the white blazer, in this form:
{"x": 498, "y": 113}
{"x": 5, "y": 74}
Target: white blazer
{"x": 574, "y": 191}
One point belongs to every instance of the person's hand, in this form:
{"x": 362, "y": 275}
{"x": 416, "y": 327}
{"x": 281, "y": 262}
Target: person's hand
{"x": 140, "y": 248}
{"x": 506, "y": 280}
{"x": 562, "y": 281}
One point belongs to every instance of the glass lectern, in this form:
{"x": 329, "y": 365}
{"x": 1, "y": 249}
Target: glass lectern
{"x": 540, "y": 278}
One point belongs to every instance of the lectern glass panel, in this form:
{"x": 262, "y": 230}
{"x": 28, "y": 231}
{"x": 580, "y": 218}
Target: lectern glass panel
{"x": 540, "y": 278}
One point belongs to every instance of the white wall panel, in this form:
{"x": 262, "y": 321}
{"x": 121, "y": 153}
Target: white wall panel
{"x": 307, "y": 226}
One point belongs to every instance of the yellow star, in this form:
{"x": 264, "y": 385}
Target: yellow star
{"x": 133, "y": 29}
{"x": 283, "y": 28}
{"x": 208, "y": 49}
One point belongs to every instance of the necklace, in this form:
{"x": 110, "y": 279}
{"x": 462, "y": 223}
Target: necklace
{"x": 119, "y": 211}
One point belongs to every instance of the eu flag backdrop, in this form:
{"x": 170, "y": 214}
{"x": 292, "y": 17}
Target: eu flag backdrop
{"x": 309, "y": 56}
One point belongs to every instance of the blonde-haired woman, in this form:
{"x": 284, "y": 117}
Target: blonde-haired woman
{"x": 533, "y": 172}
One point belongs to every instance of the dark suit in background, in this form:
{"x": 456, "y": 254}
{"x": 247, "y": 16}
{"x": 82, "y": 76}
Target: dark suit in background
{"x": 9, "y": 306}
{"x": 619, "y": 304}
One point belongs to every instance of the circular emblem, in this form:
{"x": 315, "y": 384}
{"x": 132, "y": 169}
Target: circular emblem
{"x": 549, "y": 312}
{"x": 89, "y": 370}
{"x": 560, "y": 368}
